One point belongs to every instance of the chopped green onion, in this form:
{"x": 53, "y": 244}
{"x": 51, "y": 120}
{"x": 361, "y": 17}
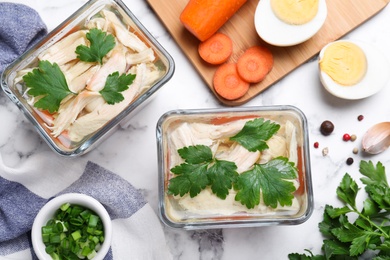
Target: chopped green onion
{"x": 93, "y": 220}
{"x": 76, "y": 235}
{"x": 65, "y": 206}
{"x": 73, "y": 233}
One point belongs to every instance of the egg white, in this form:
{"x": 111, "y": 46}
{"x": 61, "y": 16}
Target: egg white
{"x": 376, "y": 77}
{"x": 276, "y": 32}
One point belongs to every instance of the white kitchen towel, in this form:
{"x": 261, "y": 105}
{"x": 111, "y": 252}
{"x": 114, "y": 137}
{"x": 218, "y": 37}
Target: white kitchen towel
{"x": 137, "y": 232}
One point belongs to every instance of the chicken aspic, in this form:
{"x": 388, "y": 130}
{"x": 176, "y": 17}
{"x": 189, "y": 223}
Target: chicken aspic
{"x": 85, "y": 109}
{"x": 283, "y": 143}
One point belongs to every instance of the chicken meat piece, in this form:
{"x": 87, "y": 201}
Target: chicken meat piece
{"x": 63, "y": 51}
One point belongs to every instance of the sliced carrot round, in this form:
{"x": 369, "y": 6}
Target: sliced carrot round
{"x": 255, "y": 63}
{"x": 228, "y": 84}
{"x": 216, "y": 49}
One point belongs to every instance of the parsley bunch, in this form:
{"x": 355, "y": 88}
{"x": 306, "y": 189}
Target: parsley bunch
{"x": 200, "y": 169}
{"x": 370, "y": 232}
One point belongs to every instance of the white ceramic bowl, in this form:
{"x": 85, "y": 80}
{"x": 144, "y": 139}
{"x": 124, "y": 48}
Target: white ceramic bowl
{"x": 48, "y": 211}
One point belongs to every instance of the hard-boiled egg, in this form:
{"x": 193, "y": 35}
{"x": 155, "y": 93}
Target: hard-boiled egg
{"x": 353, "y": 69}
{"x": 283, "y": 26}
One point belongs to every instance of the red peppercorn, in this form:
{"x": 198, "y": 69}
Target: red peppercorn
{"x": 316, "y": 145}
{"x": 360, "y": 117}
{"x": 346, "y": 137}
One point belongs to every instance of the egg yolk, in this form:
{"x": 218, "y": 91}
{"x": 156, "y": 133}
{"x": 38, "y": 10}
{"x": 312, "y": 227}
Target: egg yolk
{"x": 296, "y": 12}
{"x": 344, "y": 62}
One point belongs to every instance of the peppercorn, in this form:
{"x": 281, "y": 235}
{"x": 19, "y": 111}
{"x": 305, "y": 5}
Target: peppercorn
{"x": 325, "y": 151}
{"x": 355, "y": 150}
{"x": 360, "y": 117}
{"x": 346, "y": 137}
{"x": 327, "y": 127}
{"x": 316, "y": 145}
{"x": 353, "y": 138}
{"x": 350, "y": 161}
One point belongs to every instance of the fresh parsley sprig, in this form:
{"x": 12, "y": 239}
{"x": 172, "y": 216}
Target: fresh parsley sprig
{"x": 101, "y": 43}
{"x": 271, "y": 179}
{"x": 116, "y": 84}
{"x": 370, "y": 232}
{"x": 49, "y": 83}
{"x": 200, "y": 170}
{"x": 255, "y": 134}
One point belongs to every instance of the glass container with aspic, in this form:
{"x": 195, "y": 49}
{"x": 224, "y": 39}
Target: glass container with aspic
{"x": 87, "y": 76}
{"x": 234, "y": 167}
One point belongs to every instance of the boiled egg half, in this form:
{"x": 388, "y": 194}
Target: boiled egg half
{"x": 352, "y": 69}
{"x": 289, "y": 22}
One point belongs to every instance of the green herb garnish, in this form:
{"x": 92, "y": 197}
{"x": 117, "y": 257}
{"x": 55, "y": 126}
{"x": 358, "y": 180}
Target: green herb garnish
{"x": 74, "y": 232}
{"x": 49, "y": 83}
{"x": 200, "y": 170}
{"x": 271, "y": 179}
{"x": 255, "y": 134}
{"x": 369, "y": 233}
{"x": 114, "y": 85}
{"x": 100, "y": 44}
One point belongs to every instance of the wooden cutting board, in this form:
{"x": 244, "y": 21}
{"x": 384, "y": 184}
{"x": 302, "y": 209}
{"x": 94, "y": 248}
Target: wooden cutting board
{"x": 343, "y": 16}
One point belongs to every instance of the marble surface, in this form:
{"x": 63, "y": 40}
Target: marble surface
{"x": 132, "y": 152}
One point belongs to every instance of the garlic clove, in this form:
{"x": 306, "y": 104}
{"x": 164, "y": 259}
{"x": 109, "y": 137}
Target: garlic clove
{"x": 377, "y": 138}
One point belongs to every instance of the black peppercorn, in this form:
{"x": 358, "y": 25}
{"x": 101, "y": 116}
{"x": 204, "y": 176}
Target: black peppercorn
{"x": 327, "y": 127}
{"x": 350, "y": 161}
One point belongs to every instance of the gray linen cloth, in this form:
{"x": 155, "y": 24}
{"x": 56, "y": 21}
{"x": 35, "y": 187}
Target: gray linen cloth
{"x": 20, "y": 28}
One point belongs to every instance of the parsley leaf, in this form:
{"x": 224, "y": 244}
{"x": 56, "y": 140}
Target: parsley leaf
{"x": 100, "y": 44}
{"x": 347, "y": 190}
{"x": 200, "y": 170}
{"x": 114, "y": 85}
{"x": 296, "y": 256}
{"x": 271, "y": 179}
{"x": 376, "y": 183}
{"x": 196, "y": 154}
{"x": 222, "y": 174}
{"x": 255, "y": 134}
{"x": 49, "y": 83}
{"x": 191, "y": 178}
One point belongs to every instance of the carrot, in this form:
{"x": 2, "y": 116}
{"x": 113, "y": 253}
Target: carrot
{"x": 203, "y": 18}
{"x": 301, "y": 174}
{"x": 227, "y": 83}
{"x": 216, "y": 49}
{"x": 225, "y": 120}
{"x": 255, "y": 63}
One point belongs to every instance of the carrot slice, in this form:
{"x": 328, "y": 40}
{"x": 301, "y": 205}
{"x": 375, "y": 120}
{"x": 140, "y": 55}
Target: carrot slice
{"x": 228, "y": 84}
{"x": 255, "y": 63}
{"x": 216, "y": 49}
{"x": 203, "y": 18}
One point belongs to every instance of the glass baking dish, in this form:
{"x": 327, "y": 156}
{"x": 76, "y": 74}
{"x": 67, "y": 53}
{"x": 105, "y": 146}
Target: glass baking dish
{"x": 135, "y": 47}
{"x": 181, "y": 130}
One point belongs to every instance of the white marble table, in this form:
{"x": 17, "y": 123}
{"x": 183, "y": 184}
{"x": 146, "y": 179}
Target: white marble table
{"x": 131, "y": 152}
